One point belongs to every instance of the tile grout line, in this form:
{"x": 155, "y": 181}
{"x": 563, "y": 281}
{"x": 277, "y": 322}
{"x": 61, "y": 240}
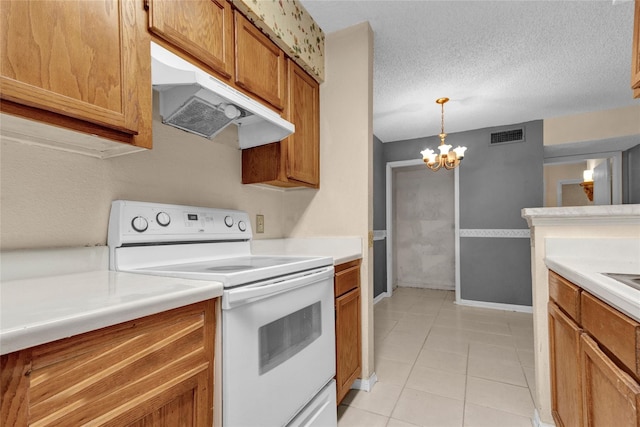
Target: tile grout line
{"x": 404, "y": 385}
{"x": 440, "y": 311}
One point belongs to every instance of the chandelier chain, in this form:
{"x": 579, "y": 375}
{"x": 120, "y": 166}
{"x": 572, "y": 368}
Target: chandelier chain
{"x": 442, "y": 118}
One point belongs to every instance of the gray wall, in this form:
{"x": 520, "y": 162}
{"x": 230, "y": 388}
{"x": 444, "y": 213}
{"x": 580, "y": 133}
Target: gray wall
{"x": 495, "y": 185}
{"x": 496, "y": 182}
{"x": 379, "y": 218}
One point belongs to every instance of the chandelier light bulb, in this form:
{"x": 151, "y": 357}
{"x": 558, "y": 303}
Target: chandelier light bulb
{"x": 460, "y": 151}
{"x": 444, "y": 149}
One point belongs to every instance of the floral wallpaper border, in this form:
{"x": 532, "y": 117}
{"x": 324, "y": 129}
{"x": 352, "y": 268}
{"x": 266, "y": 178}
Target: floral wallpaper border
{"x": 290, "y": 26}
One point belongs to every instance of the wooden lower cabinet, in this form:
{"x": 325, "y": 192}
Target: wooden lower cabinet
{"x": 153, "y": 371}
{"x": 348, "y": 327}
{"x": 611, "y": 397}
{"x": 566, "y": 380}
{"x": 594, "y": 360}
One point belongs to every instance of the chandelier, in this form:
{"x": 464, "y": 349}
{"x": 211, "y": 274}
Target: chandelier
{"x": 447, "y": 158}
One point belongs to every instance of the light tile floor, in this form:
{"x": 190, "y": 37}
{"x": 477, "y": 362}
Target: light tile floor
{"x": 440, "y": 364}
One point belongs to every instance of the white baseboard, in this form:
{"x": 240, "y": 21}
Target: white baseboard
{"x": 537, "y": 422}
{"x": 380, "y": 297}
{"x": 496, "y": 305}
{"x": 366, "y": 385}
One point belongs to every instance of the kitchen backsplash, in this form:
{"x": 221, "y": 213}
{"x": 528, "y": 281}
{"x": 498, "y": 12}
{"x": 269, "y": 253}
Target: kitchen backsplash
{"x": 53, "y": 198}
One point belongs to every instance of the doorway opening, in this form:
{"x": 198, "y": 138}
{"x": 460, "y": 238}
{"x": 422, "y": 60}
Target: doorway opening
{"x": 423, "y": 238}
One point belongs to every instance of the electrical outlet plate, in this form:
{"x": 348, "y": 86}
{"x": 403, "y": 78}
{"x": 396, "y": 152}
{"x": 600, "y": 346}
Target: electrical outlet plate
{"x": 259, "y": 223}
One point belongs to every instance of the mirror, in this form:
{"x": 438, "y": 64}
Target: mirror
{"x": 614, "y": 163}
{"x": 564, "y": 183}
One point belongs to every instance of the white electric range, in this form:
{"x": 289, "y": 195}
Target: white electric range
{"x": 278, "y": 330}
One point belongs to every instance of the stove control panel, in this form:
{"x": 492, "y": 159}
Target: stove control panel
{"x": 133, "y": 222}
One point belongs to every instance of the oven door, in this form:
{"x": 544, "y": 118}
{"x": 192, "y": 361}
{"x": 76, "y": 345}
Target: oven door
{"x": 278, "y": 347}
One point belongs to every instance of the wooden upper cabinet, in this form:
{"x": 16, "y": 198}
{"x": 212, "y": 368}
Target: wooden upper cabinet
{"x": 635, "y": 55}
{"x": 78, "y": 64}
{"x": 260, "y": 64}
{"x": 303, "y": 110}
{"x": 295, "y": 161}
{"x": 201, "y": 28}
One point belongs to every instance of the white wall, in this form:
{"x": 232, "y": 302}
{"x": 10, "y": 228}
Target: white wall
{"x": 50, "y": 198}
{"x": 592, "y": 126}
{"x": 343, "y": 206}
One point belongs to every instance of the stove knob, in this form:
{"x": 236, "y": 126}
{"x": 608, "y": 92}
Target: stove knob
{"x": 163, "y": 219}
{"x": 242, "y": 226}
{"x": 139, "y": 224}
{"x": 228, "y": 221}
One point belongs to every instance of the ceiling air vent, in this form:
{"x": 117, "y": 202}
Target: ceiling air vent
{"x": 503, "y": 137}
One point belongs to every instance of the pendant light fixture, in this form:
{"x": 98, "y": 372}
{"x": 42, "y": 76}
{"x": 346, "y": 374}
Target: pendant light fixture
{"x": 446, "y": 158}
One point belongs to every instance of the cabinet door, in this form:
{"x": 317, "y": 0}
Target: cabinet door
{"x": 157, "y": 370}
{"x": 260, "y": 64}
{"x": 610, "y": 396}
{"x": 202, "y": 28}
{"x": 348, "y": 342}
{"x": 564, "y": 355}
{"x": 303, "y": 110}
{"x": 635, "y": 55}
{"x": 75, "y": 58}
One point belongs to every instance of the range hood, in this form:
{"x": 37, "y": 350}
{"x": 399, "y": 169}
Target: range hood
{"x": 195, "y": 101}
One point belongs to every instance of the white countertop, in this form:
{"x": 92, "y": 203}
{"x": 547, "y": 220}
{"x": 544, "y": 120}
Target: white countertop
{"x": 341, "y": 249}
{"x": 583, "y": 262}
{"x": 41, "y": 308}
{"x": 46, "y": 295}
{"x": 568, "y": 215}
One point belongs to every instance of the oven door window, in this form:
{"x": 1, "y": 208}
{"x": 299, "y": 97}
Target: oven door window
{"x": 282, "y": 339}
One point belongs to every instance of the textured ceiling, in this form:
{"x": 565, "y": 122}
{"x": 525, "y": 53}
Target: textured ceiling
{"x": 500, "y": 62}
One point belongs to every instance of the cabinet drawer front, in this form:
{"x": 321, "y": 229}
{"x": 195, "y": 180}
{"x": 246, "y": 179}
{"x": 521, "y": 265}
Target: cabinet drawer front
{"x": 565, "y": 294}
{"x": 613, "y": 330}
{"x": 347, "y": 278}
{"x": 610, "y": 396}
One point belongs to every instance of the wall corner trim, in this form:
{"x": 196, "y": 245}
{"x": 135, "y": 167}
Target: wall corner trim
{"x": 365, "y": 384}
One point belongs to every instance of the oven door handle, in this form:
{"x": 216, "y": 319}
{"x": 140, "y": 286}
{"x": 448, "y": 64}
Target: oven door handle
{"x": 247, "y": 294}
